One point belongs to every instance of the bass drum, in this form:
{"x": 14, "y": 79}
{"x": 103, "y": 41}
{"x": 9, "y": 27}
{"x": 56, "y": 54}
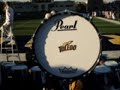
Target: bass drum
{"x": 67, "y": 45}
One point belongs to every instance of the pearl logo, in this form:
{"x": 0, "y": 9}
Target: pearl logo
{"x": 60, "y": 26}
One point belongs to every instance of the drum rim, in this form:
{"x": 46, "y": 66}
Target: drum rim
{"x": 97, "y": 59}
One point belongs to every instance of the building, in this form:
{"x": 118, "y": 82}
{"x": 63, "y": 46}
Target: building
{"x": 44, "y": 5}
{"x": 25, "y": 7}
{"x": 37, "y": 8}
{"x": 48, "y": 5}
{"x": 62, "y": 5}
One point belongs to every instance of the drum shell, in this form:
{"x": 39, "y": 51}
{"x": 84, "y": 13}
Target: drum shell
{"x": 6, "y": 75}
{"x": 36, "y": 74}
{"x": 36, "y": 77}
{"x": 44, "y": 43}
{"x": 114, "y": 65}
{"x": 103, "y": 77}
{"x": 6, "y": 70}
{"x": 20, "y": 72}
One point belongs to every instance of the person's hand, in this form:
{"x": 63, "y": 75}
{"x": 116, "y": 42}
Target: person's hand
{"x": 47, "y": 16}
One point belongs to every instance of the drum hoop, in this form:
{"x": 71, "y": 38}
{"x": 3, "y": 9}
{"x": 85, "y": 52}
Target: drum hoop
{"x": 92, "y": 67}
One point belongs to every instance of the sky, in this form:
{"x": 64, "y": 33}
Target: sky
{"x": 56, "y": 0}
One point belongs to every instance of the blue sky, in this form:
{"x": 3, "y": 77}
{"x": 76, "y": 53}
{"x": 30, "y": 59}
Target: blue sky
{"x": 55, "y": 0}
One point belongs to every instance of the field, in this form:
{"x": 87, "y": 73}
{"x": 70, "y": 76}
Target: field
{"x": 106, "y": 27}
{"x": 25, "y": 27}
{"x": 28, "y": 27}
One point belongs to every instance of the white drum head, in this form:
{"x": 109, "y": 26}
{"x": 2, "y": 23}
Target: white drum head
{"x": 67, "y": 45}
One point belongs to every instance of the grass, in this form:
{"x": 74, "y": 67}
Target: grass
{"x": 106, "y": 27}
{"x": 28, "y": 27}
